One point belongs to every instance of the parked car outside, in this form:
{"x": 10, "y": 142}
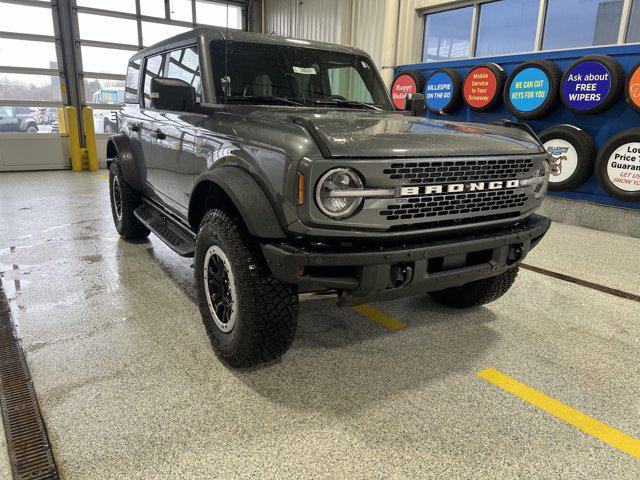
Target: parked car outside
{"x": 107, "y": 120}
{"x": 17, "y": 119}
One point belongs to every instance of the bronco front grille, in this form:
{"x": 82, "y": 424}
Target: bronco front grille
{"x": 458, "y": 170}
{"x": 474, "y": 203}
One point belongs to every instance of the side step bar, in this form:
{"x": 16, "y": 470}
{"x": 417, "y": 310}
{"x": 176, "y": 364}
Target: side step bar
{"x": 177, "y": 237}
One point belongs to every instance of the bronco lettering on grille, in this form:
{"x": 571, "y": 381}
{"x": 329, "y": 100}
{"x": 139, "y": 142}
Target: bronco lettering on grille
{"x": 457, "y": 188}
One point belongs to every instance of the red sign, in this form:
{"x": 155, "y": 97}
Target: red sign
{"x": 634, "y": 88}
{"x": 402, "y": 86}
{"x": 480, "y": 87}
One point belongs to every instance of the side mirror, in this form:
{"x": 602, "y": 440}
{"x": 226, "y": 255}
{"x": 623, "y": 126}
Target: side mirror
{"x": 415, "y": 104}
{"x": 172, "y": 94}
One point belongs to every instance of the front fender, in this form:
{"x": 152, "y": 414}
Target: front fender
{"x": 134, "y": 170}
{"x": 246, "y": 195}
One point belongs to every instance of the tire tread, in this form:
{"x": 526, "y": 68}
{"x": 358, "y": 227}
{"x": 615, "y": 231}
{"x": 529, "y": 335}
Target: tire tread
{"x": 480, "y": 292}
{"x": 130, "y": 228}
{"x": 271, "y": 305}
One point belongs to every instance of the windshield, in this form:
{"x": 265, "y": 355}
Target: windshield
{"x": 296, "y": 76}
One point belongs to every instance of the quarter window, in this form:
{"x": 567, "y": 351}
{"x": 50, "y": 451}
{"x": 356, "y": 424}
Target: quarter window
{"x": 131, "y": 83}
{"x": 184, "y": 65}
{"x": 152, "y": 69}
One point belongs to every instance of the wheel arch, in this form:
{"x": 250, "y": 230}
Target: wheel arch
{"x": 134, "y": 171}
{"x": 233, "y": 190}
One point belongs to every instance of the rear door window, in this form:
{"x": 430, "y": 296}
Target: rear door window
{"x": 184, "y": 64}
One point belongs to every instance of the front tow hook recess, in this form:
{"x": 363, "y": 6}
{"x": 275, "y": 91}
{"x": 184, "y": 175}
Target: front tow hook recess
{"x": 401, "y": 274}
{"x": 515, "y": 254}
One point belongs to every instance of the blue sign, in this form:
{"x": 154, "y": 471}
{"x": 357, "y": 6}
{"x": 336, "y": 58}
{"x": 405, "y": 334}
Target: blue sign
{"x": 586, "y": 85}
{"x": 439, "y": 90}
{"x": 529, "y": 89}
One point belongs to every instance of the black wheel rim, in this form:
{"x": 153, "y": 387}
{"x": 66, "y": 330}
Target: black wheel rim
{"x": 220, "y": 289}
{"x": 117, "y": 197}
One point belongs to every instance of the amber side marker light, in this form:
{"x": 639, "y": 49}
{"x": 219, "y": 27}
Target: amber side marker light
{"x": 300, "y": 188}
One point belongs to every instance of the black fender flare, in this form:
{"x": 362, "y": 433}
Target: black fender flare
{"x": 135, "y": 171}
{"x": 247, "y": 197}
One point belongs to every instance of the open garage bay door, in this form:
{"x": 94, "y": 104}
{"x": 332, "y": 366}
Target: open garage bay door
{"x": 75, "y": 52}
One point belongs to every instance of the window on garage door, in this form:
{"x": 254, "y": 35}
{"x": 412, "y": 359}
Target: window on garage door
{"x": 30, "y": 88}
{"x": 184, "y": 64}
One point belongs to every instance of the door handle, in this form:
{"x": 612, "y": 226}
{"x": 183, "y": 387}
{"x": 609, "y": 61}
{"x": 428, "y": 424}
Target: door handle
{"x": 135, "y": 127}
{"x": 160, "y": 135}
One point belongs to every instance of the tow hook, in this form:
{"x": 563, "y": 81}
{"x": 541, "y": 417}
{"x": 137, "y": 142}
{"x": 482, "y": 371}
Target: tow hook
{"x": 401, "y": 274}
{"x": 515, "y": 254}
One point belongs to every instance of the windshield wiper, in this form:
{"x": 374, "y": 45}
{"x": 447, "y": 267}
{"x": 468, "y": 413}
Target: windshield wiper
{"x": 267, "y": 99}
{"x": 347, "y": 103}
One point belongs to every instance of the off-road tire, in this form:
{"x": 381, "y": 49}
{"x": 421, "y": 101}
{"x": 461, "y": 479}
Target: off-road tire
{"x": 585, "y": 149}
{"x": 480, "y": 292}
{"x": 267, "y": 309}
{"x": 127, "y": 225}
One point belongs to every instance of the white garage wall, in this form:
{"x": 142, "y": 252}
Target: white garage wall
{"x": 319, "y": 20}
{"x": 328, "y": 30}
{"x": 389, "y": 30}
{"x": 280, "y": 17}
{"x": 34, "y": 151}
{"x": 367, "y": 26}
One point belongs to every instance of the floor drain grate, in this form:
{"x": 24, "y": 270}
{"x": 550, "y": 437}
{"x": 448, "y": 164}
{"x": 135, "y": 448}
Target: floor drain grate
{"x": 29, "y": 450}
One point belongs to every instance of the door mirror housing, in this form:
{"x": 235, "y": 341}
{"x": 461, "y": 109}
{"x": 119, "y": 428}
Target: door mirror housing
{"x": 172, "y": 94}
{"x": 415, "y": 104}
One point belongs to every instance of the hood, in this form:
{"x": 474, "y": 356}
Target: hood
{"x": 357, "y": 133}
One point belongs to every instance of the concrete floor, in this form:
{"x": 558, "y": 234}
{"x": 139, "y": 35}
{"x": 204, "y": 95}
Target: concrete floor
{"x": 129, "y": 386}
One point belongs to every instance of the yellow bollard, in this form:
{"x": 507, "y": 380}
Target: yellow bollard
{"x": 90, "y": 137}
{"x": 74, "y": 140}
{"x": 62, "y": 121}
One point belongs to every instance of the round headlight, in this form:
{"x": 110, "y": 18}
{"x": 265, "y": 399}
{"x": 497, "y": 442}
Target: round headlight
{"x": 543, "y": 175}
{"x": 328, "y": 193}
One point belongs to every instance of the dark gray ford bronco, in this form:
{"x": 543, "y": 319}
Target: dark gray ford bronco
{"x": 280, "y": 165}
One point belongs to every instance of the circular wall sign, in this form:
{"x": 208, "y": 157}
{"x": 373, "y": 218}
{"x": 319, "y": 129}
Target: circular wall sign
{"x": 623, "y": 167}
{"x": 592, "y": 84}
{"x": 442, "y": 90}
{"x": 402, "y": 86}
{"x": 618, "y": 165}
{"x": 529, "y": 89}
{"x": 408, "y": 81}
{"x": 633, "y": 88}
{"x": 532, "y": 89}
{"x": 482, "y": 87}
{"x": 573, "y": 152}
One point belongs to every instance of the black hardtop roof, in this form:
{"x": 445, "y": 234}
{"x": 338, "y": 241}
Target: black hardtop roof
{"x": 214, "y": 33}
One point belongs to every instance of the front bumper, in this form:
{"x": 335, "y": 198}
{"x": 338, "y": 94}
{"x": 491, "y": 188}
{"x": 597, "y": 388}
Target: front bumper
{"x": 363, "y": 274}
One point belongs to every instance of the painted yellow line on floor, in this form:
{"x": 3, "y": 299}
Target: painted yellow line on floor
{"x": 106, "y": 177}
{"x": 379, "y": 317}
{"x": 589, "y": 425}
